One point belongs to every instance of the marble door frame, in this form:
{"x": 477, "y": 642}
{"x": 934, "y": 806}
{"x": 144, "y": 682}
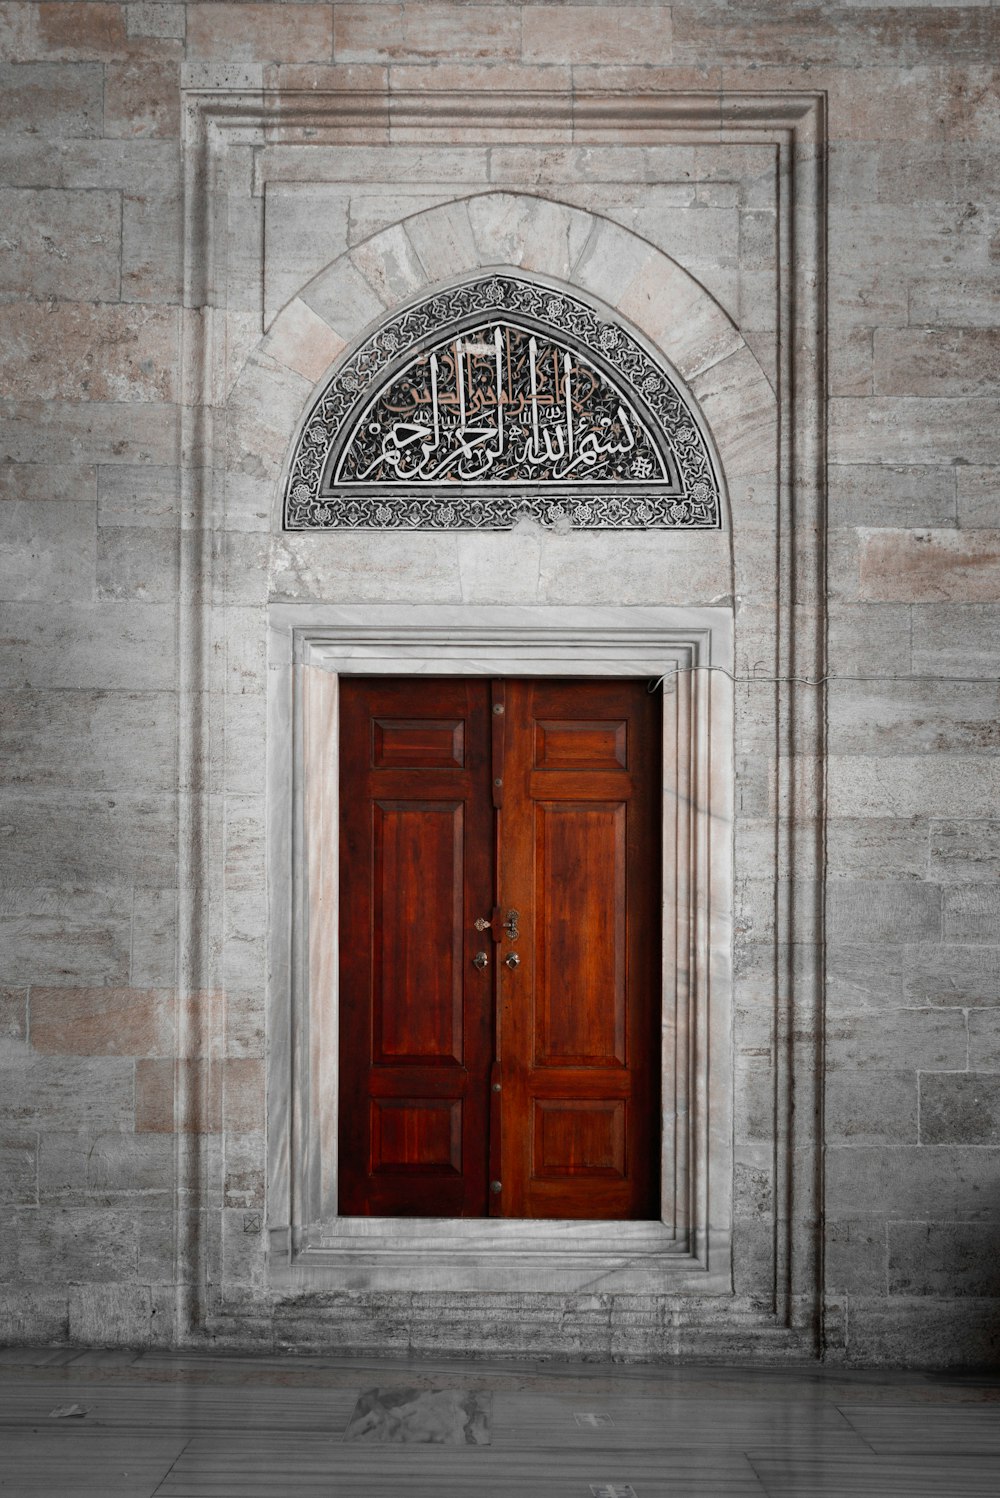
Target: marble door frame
{"x": 690, "y": 1245}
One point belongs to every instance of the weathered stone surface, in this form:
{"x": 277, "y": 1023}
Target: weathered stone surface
{"x": 60, "y": 244}
{"x": 870, "y": 639}
{"x": 882, "y": 495}
{"x": 890, "y": 429}
{"x": 18, "y": 1169}
{"x": 137, "y": 562}
{"x": 155, "y": 18}
{"x": 867, "y": 1108}
{"x": 87, "y": 431}
{"x": 144, "y": 496}
{"x": 44, "y": 97}
{"x": 960, "y": 1108}
{"x": 936, "y": 361}
{"x": 102, "y": 1021}
{"x": 86, "y": 1093}
{"x": 151, "y": 256}
{"x": 898, "y": 1182}
{"x": 862, "y": 977}
{"x": 596, "y": 34}
{"x": 87, "y": 837}
{"x": 246, "y": 33}
{"x": 876, "y": 848}
{"x": 154, "y": 938}
{"x": 984, "y": 1038}
{"x": 855, "y": 1256}
{"x": 64, "y": 935}
{"x": 70, "y": 351}
{"x": 396, "y": 33}
{"x": 917, "y": 1039}
{"x": 245, "y": 1170}
{"x": 942, "y": 785}
{"x": 883, "y": 911}
{"x": 87, "y": 738}
{"x": 930, "y": 566}
{"x": 142, "y": 95}
{"x": 47, "y": 552}
{"x": 978, "y": 497}
{"x": 971, "y": 912}
{"x": 114, "y": 646}
{"x": 903, "y": 717}
{"x": 964, "y": 851}
{"x": 956, "y": 639}
{"x": 946, "y": 973}
{"x": 943, "y": 1258}
{"x": 13, "y": 1014}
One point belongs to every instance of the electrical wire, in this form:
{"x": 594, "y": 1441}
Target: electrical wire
{"x": 816, "y": 681}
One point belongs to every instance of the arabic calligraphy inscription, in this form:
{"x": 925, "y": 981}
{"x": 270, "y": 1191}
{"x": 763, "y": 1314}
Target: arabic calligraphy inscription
{"x": 527, "y": 404}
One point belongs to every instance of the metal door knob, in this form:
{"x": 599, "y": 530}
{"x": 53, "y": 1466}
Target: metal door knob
{"x": 480, "y": 960}
{"x": 512, "y": 959}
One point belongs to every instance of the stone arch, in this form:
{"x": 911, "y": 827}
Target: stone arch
{"x": 667, "y": 306}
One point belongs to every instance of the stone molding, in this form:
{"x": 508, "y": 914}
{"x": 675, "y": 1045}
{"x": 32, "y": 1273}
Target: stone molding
{"x": 777, "y": 542}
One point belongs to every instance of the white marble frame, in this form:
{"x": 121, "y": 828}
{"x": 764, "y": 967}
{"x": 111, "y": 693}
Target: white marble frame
{"x": 690, "y": 1246}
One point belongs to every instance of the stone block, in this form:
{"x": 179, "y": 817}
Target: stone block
{"x": 890, "y": 429}
{"x": 60, "y": 244}
{"x": 305, "y": 229}
{"x": 900, "y": 1181}
{"x": 365, "y": 567}
{"x": 47, "y": 553}
{"x": 676, "y": 312}
{"x": 73, "y": 30}
{"x": 869, "y": 639}
{"x": 390, "y": 264}
{"x": 245, "y": 1170}
{"x": 84, "y": 837}
{"x": 945, "y": 973}
{"x": 113, "y": 1316}
{"x": 102, "y": 1021}
{"x": 255, "y": 32}
{"x": 140, "y": 496}
{"x": 199, "y": 1097}
{"x": 443, "y": 239}
{"x": 303, "y": 342}
{"x": 246, "y": 730}
{"x": 984, "y": 1038}
{"x": 971, "y": 913}
{"x": 905, "y": 717}
{"x": 63, "y": 934}
{"x": 850, "y": 352}
{"x": 151, "y": 242}
{"x": 88, "y": 739}
{"x": 861, "y": 911}
{"x": 871, "y": 1107}
{"x": 960, "y": 1108}
{"x": 137, "y": 562}
{"x": 246, "y": 650}
{"x": 956, "y": 639}
{"x": 854, "y": 1256}
{"x": 425, "y": 32}
{"x": 610, "y": 264}
{"x": 866, "y": 494}
{"x": 114, "y": 646}
{"x": 863, "y": 976}
{"x": 964, "y": 851}
{"x": 939, "y": 785}
{"x": 142, "y": 95}
{"x": 62, "y": 483}
{"x": 137, "y": 1168}
{"x": 84, "y": 1094}
{"x": 154, "y": 938}
{"x": 949, "y": 300}
{"x": 53, "y": 99}
{"x": 244, "y": 953}
{"x": 79, "y": 1246}
{"x": 58, "y": 351}
{"x": 943, "y": 1258}
{"x": 892, "y": 848}
{"x": 33, "y": 1315}
{"x": 646, "y": 567}
{"x": 13, "y": 1014}
{"x": 266, "y": 407}
{"x": 88, "y": 432}
{"x": 935, "y": 361}
{"x": 18, "y": 1169}
{"x": 597, "y": 34}
{"x": 155, "y": 18}
{"x": 738, "y": 404}
{"x": 978, "y": 497}
{"x": 930, "y": 566}
{"x": 897, "y": 1040}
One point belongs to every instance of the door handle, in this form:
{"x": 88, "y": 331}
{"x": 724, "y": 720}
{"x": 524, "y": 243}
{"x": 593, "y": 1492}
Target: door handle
{"x": 512, "y": 960}
{"x": 480, "y": 960}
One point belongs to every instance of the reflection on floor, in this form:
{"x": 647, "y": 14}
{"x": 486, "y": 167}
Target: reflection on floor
{"x": 161, "y": 1425}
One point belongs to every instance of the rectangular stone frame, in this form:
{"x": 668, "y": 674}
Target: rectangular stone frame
{"x": 227, "y": 109}
{"x": 690, "y": 1245}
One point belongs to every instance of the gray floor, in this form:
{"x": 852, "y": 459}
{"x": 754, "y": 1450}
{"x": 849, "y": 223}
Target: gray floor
{"x": 209, "y": 1427}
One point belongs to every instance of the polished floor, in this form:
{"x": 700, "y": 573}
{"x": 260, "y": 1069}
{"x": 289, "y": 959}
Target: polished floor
{"x": 156, "y": 1425}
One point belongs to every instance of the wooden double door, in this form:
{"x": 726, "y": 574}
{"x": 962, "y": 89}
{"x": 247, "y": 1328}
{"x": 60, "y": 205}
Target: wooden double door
{"x": 500, "y": 953}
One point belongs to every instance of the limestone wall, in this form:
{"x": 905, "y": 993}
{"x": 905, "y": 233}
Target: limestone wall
{"x": 165, "y": 314}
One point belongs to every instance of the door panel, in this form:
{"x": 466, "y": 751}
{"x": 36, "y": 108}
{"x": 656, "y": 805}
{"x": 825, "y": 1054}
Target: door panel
{"x": 419, "y": 944}
{"x": 532, "y": 809}
{"x": 416, "y": 859}
{"x": 579, "y": 854}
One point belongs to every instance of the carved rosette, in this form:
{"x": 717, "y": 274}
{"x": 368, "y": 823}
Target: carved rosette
{"x": 493, "y": 401}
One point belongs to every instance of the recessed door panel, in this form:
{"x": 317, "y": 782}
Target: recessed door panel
{"x": 580, "y": 933}
{"x": 499, "y": 953}
{"x": 418, "y": 978}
